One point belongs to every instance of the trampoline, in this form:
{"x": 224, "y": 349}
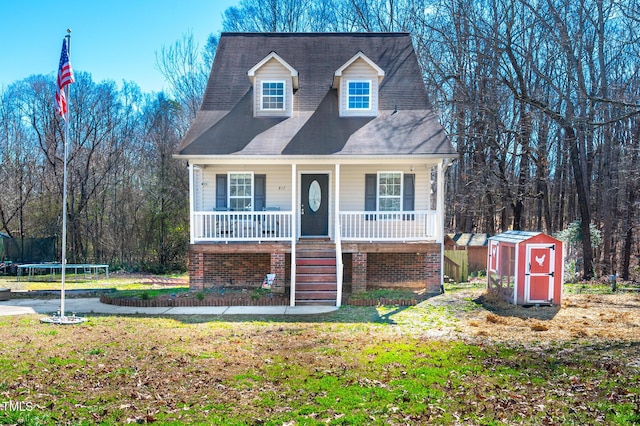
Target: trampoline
{"x": 90, "y": 270}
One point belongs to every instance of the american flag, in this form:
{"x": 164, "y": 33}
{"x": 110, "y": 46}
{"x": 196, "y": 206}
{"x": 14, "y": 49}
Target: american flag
{"x": 65, "y": 77}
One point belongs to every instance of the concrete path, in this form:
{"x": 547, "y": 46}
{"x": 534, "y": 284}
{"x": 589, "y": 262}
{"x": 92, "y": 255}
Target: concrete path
{"x": 92, "y": 305}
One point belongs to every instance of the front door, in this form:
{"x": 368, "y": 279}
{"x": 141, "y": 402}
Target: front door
{"x": 539, "y": 273}
{"x": 314, "y": 205}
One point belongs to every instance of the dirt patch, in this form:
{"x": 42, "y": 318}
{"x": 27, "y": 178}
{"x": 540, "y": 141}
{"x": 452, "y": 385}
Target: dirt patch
{"x": 163, "y": 281}
{"x": 581, "y": 316}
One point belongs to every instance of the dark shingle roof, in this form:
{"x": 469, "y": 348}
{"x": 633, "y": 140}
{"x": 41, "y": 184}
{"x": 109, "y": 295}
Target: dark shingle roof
{"x": 225, "y": 123}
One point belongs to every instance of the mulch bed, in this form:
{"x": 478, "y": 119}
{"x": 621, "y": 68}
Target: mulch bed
{"x": 382, "y": 301}
{"x": 236, "y": 299}
{"x": 195, "y": 300}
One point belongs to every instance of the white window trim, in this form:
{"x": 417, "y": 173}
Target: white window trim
{"x": 401, "y": 196}
{"x": 284, "y": 95}
{"x": 370, "y": 82}
{"x": 253, "y": 189}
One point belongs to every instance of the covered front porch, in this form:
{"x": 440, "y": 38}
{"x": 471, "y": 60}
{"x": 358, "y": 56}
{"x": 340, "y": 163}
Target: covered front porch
{"x": 307, "y": 223}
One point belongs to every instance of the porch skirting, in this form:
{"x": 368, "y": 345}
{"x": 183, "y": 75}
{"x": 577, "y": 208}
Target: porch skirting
{"x": 366, "y": 265}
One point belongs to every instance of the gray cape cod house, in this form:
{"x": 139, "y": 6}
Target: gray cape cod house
{"x": 316, "y": 158}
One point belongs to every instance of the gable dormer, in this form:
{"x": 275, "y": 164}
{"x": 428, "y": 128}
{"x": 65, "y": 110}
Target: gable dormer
{"x": 273, "y": 81}
{"x": 357, "y": 82}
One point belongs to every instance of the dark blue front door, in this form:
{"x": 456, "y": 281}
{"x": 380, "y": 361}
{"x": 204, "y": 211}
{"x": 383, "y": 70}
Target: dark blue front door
{"x": 314, "y": 208}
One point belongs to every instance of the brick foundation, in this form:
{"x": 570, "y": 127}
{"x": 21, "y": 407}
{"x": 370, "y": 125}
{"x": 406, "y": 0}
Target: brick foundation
{"x": 362, "y": 270}
{"x": 208, "y": 270}
{"x": 415, "y": 270}
{"x": 278, "y": 267}
{"x": 196, "y": 270}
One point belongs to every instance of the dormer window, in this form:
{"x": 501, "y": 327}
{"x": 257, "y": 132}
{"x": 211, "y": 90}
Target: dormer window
{"x": 274, "y": 82}
{"x": 358, "y": 82}
{"x": 273, "y": 95}
{"x": 359, "y": 95}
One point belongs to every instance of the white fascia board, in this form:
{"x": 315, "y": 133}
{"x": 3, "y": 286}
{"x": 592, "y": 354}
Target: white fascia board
{"x": 415, "y": 160}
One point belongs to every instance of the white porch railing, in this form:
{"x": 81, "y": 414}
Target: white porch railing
{"x": 277, "y": 226}
{"x": 388, "y": 226}
{"x": 241, "y": 226}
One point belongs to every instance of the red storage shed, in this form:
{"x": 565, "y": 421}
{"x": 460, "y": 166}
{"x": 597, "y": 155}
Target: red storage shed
{"x": 525, "y": 268}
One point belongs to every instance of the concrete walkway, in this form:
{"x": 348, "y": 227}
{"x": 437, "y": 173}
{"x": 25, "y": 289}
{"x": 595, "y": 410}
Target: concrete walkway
{"x": 92, "y": 305}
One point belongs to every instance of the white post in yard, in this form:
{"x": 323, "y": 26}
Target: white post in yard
{"x": 191, "y": 205}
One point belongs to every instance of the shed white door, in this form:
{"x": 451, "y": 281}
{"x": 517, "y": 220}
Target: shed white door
{"x": 539, "y": 273}
{"x": 493, "y": 256}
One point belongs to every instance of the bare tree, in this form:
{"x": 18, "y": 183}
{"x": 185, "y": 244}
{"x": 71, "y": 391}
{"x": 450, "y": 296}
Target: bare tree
{"x": 540, "y": 99}
{"x": 17, "y": 171}
{"x": 186, "y": 68}
{"x": 166, "y": 231}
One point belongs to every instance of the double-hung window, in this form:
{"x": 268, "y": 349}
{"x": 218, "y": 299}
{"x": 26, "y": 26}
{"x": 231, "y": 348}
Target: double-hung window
{"x": 273, "y": 95}
{"x": 359, "y": 95}
{"x": 240, "y": 191}
{"x": 390, "y": 191}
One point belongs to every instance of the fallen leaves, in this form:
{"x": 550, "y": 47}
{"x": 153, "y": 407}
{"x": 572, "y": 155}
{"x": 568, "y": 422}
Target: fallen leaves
{"x": 145, "y": 370}
{"x": 582, "y": 316}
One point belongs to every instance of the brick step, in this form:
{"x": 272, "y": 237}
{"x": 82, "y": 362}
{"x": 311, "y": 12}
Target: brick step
{"x": 316, "y": 286}
{"x": 304, "y": 254}
{"x": 312, "y": 269}
{"x": 328, "y": 261}
{"x": 316, "y": 278}
{"x": 320, "y": 278}
{"x": 328, "y": 302}
{"x": 318, "y": 244}
{"x": 316, "y": 295}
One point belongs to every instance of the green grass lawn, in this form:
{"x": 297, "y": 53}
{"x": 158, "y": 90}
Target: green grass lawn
{"x": 381, "y": 365}
{"x": 81, "y": 282}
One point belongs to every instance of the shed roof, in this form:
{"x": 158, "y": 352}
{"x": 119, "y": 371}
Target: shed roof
{"x": 514, "y": 236}
{"x": 405, "y": 125}
{"x": 470, "y": 239}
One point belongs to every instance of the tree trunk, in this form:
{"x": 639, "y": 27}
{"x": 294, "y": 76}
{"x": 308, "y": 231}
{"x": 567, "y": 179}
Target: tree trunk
{"x": 628, "y": 240}
{"x": 583, "y": 202}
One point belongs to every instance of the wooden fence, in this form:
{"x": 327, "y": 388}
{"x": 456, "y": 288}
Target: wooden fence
{"x": 456, "y": 265}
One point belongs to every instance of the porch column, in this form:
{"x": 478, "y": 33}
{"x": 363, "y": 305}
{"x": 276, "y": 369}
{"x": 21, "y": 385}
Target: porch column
{"x": 294, "y": 232}
{"x": 337, "y": 236}
{"x": 359, "y": 272}
{"x": 440, "y": 204}
{"x": 191, "y": 205}
{"x": 440, "y": 217}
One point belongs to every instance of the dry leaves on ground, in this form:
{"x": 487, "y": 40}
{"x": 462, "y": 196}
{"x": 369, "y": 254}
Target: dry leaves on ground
{"x": 581, "y": 316}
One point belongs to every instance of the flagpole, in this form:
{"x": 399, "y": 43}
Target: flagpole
{"x": 65, "y": 78}
{"x": 64, "y": 188}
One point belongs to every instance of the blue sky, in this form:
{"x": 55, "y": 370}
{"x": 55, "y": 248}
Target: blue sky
{"x": 113, "y": 40}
